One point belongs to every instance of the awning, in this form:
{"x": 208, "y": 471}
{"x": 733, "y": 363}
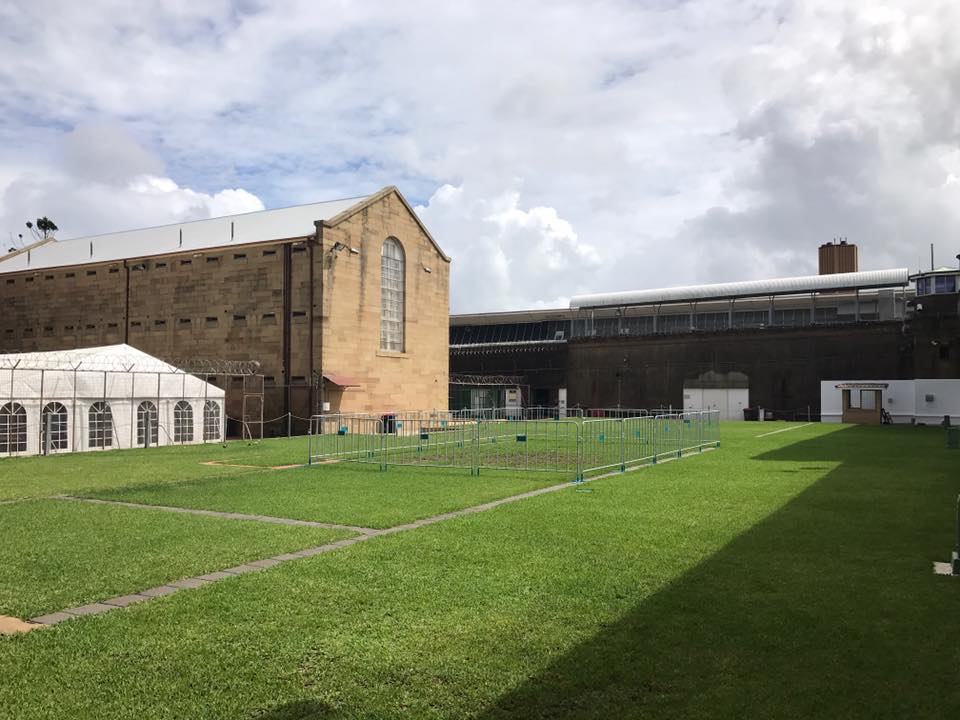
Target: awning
{"x": 862, "y": 386}
{"x": 341, "y": 380}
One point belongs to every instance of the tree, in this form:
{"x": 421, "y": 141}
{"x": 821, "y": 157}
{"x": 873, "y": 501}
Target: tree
{"x": 44, "y": 228}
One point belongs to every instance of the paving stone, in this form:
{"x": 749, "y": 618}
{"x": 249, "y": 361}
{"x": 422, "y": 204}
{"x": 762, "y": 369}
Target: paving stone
{"x": 268, "y": 562}
{"x": 52, "y": 618}
{"x": 241, "y": 569}
{"x": 189, "y": 583}
{"x": 91, "y": 609}
{"x": 285, "y": 557}
{"x": 218, "y": 575}
{"x": 159, "y": 591}
{"x": 125, "y": 600}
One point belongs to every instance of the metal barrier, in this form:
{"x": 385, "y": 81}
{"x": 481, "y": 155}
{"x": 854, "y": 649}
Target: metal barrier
{"x": 578, "y": 448}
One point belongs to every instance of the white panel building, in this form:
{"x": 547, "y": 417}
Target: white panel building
{"x": 102, "y": 398}
{"x": 906, "y": 401}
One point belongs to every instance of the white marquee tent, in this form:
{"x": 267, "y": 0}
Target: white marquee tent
{"x": 102, "y": 398}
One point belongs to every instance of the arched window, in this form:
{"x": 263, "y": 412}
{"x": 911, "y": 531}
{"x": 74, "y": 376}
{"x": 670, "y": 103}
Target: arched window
{"x": 53, "y": 420}
{"x": 182, "y": 422}
{"x": 211, "y": 420}
{"x": 13, "y": 428}
{"x": 392, "y": 271}
{"x": 100, "y": 422}
{"x": 147, "y": 416}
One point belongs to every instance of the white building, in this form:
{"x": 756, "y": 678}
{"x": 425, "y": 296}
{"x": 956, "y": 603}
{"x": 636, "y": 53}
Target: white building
{"x": 102, "y": 398}
{"x": 907, "y": 401}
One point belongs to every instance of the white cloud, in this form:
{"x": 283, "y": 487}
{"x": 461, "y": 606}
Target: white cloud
{"x": 556, "y": 147}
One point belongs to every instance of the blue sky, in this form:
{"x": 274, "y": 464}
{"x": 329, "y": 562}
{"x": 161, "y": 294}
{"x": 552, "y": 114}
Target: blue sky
{"x": 553, "y": 148}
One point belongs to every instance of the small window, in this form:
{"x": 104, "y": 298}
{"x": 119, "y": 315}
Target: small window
{"x": 268, "y": 319}
{"x": 239, "y": 256}
{"x": 13, "y": 428}
{"x": 101, "y": 425}
{"x": 211, "y": 421}
{"x": 68, "y": 328}
{"x": 213, "y": 259}
{"x": 212, "y": 321}
{"x": 10, "y": 281}
{"x": 299, "y": 313}
{"x": 90, "y": 326}
{"x": 298, "y": 380}
{"x": 91, "y": 272}
{"x": 182, "y": 422}
{"x": 135, "y": 323}
{"x": 48, "y": 277}
{"x": 392, "y": 296}
{"x": 8, "y": 331}
{"x": 239, "y": 319}
{"x": 114, "y": 270}
{"x": 53, "y": 427}
{"x": 70, "y": 275}
{"x": 28, "y": 332}
{"x": 160, "y": 265}
{"x": 299, "y": 249}
{"x": 185, "y": 321}
{"x": 48, "y": 330}
{"x": 112, "y": 325}
{"x": 186, "y": 262}
{"x": 148, "y": 431}
{"x": 159, "y": 323}
{"x": 269, "y": 253}
{"x": 29, "y": 279}
{"x": 269, "y": 380}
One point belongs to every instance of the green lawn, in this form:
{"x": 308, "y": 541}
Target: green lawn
{"x": 344, "y": 493}
{"x": 785, "y": 576}
{"x": 57, "y": 554}
{"x": 73, "y": 473}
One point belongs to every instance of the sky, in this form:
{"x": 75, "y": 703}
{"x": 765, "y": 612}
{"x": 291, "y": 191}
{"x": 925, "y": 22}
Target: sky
{"x": 552, "y": 148}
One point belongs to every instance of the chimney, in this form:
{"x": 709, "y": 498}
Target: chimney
{"x": 839, "y": 257}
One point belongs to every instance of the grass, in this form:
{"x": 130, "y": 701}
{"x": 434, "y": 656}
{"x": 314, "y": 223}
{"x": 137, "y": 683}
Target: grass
{"x": 90, "y": 471}
{"x": 785, "y": 576}
{"x": 344, "y": 493}
{"x": 57, "y": 554}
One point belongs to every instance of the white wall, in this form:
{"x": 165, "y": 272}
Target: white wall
{"x": 905, "y": 400}
{"x": 730, "y": 402}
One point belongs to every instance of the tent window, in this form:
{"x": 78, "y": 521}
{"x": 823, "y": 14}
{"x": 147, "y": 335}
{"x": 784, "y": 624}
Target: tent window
{"x": 13, "y": 428}
{"x": 182, "y": 422}
{"x": 147, "y": 415}
{"x": 211, "y": 420}
{"x": 56, "y": 425}
{"x": 392, "y": 296}
{"x": 100, "y": 420}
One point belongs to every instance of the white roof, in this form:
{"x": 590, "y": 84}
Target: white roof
{"x": 118, "y": 358}
{"x": 750, "y": 288}
{"x": 227, "y": 231}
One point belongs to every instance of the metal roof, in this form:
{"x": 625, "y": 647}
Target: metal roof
{"x": 226, "y": 231}
{"x": 750, "y": 288}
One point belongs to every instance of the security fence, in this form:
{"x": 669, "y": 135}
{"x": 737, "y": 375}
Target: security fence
{"x": 578, "y": 448}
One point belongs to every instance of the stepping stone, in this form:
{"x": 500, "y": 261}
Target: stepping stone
{"x": 159, "y": 591}
{"x": 285, "y": 557}
{"x": 125, "y": 600}
{"x": 91, "y": 609}
{"x": 268, "y": 562}
{"x": 241, "y": 569}
{"x": 189, "y": 583}
{"x": 52, "y": 618}
{"x": 218, "y": 575}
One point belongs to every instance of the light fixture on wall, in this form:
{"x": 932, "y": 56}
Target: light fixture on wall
{"x": 427, "y": 269}
{"x": 354, "y": 251}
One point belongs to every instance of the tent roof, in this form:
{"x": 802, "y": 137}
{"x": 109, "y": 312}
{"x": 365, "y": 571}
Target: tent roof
{"x": 113, "y": 358}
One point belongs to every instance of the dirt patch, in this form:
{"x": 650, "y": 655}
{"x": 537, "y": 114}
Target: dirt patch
{"x": 223, "y": 463}
{"x": 13, "y": 626}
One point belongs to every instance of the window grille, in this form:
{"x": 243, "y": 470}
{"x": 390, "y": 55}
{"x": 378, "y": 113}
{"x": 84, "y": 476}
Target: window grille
{"x": 182, "y": 422}
{"x": 13, "y": 428}
{"x": 100, "y": 419}
{"x": 392, "y": 267}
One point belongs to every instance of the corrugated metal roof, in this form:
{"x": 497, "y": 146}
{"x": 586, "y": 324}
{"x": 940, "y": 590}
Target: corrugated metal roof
{"x": 750, "y": 288}
{"x": 227, "y": 231}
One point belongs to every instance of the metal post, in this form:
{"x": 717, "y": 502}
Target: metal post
{"x": 856, "y": 304}
{"x": 623, "y": 462}
{"x": 147, "y": 427}
{"x": 42, "y": 378}
{"x": 47, "y": 440}
{"x": 956, "y": 551}
{"x": 289, "y": 423}
{"x": 73, "y": 439}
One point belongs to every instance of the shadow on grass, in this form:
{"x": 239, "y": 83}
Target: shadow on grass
{"x": 826, "y": 608}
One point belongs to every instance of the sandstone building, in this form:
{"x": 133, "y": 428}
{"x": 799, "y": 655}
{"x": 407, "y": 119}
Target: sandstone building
{"x": 344, "y": 304}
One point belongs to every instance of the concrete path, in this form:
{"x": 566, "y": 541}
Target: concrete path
{"x": 217, "y": 513}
